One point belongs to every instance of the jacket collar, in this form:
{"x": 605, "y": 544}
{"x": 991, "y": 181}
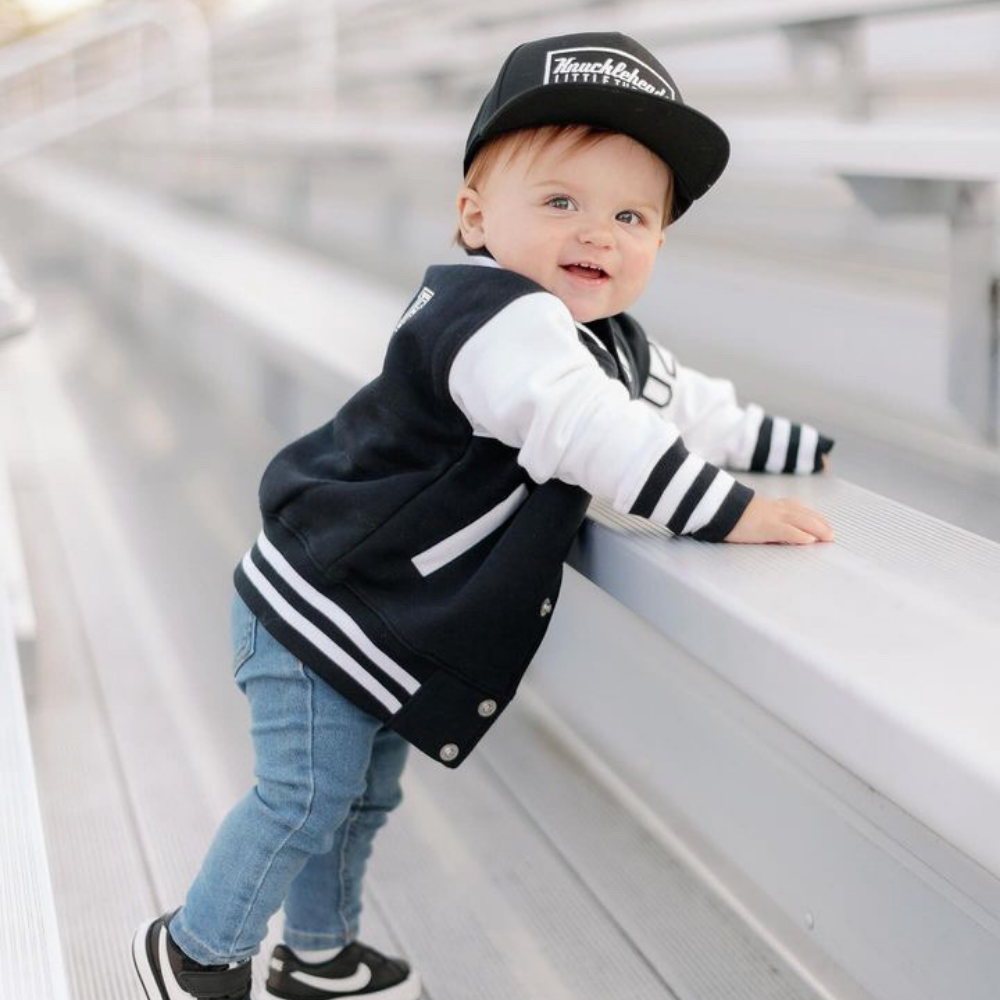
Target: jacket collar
{"x": 609, "y": 342}
{"x": 481, "y": 256}
{"x": 481, "y": 261}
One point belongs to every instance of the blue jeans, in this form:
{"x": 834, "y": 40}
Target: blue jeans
{"x": 328, "y": 773}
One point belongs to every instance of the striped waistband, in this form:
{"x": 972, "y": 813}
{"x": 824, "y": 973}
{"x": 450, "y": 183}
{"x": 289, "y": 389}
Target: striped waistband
{"x": 325, "y": 626}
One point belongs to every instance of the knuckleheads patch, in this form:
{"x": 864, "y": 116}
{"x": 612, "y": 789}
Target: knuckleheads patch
{"x": 591, "y": 64}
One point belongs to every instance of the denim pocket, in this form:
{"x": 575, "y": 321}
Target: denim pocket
{"x": 243, "y": 627}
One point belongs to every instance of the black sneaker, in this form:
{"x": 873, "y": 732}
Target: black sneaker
{"x": 167, "y": 973}
{"x": 358, "y": 971}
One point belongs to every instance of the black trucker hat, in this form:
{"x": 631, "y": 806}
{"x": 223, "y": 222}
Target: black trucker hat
{"x": 609, "y": 80}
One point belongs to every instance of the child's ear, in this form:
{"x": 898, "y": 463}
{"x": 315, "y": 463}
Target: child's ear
{"x": 470, "y": 218}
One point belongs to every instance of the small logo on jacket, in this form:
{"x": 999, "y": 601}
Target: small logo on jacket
{"x": 423, "y": 297}
{"x": 610, "y": 66}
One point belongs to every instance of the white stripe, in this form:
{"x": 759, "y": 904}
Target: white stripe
{"x": 462, "y": 540}
{"x": 625, "y": 366}
{"x": 808, "y": 440}
{"x": 623, "y": 363}
{"x": 677, "y": 489}
{"x": 710, "y": 503}
{"x": 753, "y": 421}
{"x": 336, "y": 614}
{"x": 781, "y": 431}
{"x": 597, "y": 340}
{"x": 322, "y": 642}
{"x": 482, "y": 260}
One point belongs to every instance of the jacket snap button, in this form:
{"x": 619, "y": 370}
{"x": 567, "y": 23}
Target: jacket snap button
{"x": 487, "y": 707}
{"x": 546, "y": 607}
{"x": 449, "y": 751}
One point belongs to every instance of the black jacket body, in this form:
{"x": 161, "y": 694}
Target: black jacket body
{"x": 414, "y": 563}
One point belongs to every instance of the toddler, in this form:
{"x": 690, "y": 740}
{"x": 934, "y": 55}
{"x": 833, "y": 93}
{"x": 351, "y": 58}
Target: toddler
{"x": 412, "y": 547}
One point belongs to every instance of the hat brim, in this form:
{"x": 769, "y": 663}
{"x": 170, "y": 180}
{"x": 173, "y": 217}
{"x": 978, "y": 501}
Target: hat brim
{"x": 689, "y": 142}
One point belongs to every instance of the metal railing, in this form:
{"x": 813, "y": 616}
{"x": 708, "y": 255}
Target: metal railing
{"x": 444, "y": 43}
{"x": 98, "y": 65}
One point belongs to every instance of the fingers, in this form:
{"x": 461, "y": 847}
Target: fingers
{"x": 790, "y": 535}
{"x": 817, "y": 526}
{"x": 781, "y": 520}
{"x": 806, "y": 521}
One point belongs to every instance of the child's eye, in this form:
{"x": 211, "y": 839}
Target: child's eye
{"x": 635, "y": 215}
{"x": 560, "y": 198}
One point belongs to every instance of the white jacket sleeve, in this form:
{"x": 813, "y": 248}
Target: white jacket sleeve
{"x": 525, "y": 379}
{"x": 706, "y": 412}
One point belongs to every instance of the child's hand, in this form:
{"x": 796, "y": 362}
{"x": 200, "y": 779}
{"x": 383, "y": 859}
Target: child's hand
{"x": 824, "y": 460}
{"x": 780, "y": 520}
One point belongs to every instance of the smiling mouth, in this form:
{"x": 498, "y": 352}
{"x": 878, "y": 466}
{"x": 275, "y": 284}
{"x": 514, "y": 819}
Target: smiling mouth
{"x": 591, "y": 275}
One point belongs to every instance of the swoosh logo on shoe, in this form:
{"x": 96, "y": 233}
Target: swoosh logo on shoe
{"x": 358, "y": 981}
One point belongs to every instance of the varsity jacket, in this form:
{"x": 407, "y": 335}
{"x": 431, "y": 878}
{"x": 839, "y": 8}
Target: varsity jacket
{"x": 411, "y": 549}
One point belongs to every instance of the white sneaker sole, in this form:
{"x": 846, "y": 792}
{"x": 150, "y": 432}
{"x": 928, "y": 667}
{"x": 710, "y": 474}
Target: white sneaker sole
{"x": 141, "y": 962}
{"x": 409, "y": 989}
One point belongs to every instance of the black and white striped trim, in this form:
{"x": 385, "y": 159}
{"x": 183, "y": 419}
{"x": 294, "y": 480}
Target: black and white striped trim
{"x": 593, "y": 336}
{"x": 622, "y": 361}
{"x": 691, "y": 496}
{"x": 367, "y": 665}
{"x": 778, "y": 444}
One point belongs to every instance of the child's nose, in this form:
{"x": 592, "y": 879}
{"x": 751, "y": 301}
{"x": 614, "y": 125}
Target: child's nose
{"x": 598, "y": 234}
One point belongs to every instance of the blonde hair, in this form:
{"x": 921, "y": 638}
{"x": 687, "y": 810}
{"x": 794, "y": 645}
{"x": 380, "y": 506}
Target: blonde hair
{"x": 513, "y": 143}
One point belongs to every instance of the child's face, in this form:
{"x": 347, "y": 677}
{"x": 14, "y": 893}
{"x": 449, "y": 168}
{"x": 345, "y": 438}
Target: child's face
{"x": 599, "y": 205}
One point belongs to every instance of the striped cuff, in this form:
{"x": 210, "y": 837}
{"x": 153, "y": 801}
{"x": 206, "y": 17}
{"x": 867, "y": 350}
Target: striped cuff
{"x": 691, "y": 496}
{"x": 825, "y": 445}
{"x": 783, "y": 446}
